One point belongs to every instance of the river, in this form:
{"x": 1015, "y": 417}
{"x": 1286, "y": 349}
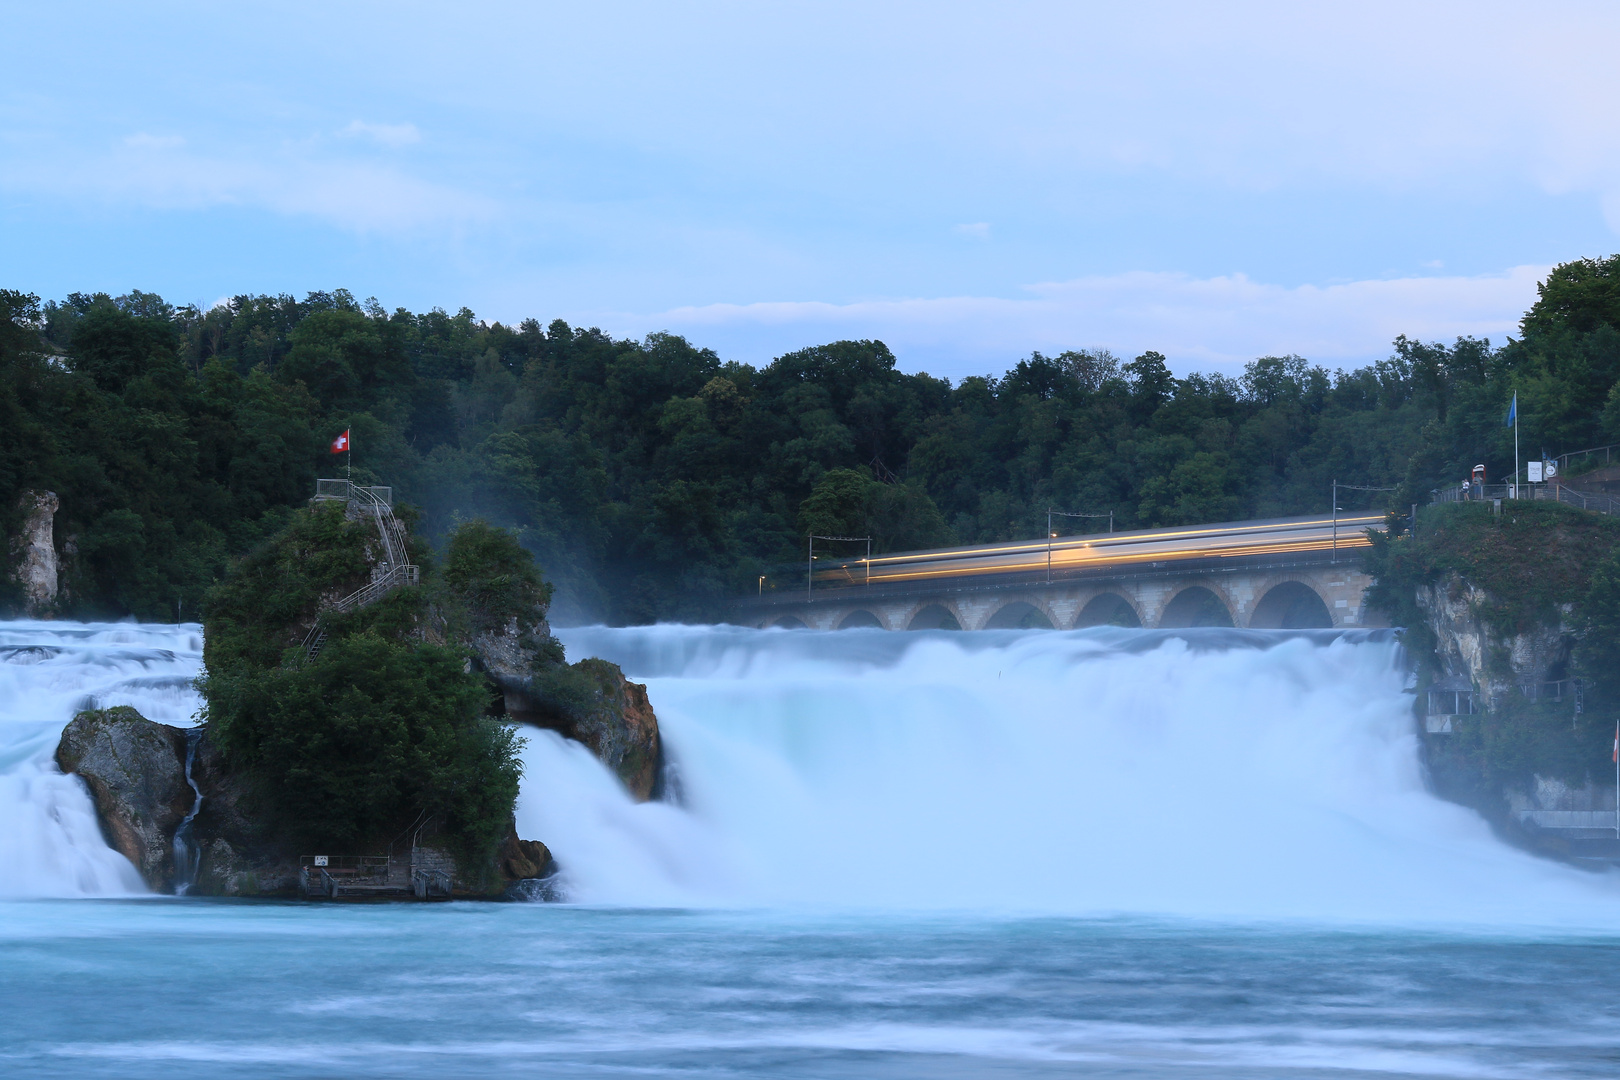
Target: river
{"x": 1100, "y": 853}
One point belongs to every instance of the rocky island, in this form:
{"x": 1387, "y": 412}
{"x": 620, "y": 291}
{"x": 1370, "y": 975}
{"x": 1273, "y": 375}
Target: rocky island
{"x": 381, "y": 733}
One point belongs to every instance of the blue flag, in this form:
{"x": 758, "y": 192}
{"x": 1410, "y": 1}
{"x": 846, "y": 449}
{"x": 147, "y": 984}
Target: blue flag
{"x": 1513, "y": 411}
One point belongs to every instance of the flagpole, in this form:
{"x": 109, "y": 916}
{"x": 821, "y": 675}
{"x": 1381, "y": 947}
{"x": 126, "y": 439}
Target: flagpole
{"x": 1516, "y": 446}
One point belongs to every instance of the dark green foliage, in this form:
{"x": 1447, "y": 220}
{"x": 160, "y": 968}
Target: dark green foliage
{"x": 898, "y": 517}
{"x": 1533, "y": 558}
{"x": 490, "y": 574}
{"x": 352, "y": 747}
{"x": 1519, "y": 740}
{"x": 271, "y": 598}
{"x": 388, "y": 724}
{"x": 655, "y": 480}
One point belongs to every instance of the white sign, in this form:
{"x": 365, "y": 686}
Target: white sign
{"x": 320, "y": 860}
{"x": 1551, "y": 470}
{"x": 1535, "y": 472}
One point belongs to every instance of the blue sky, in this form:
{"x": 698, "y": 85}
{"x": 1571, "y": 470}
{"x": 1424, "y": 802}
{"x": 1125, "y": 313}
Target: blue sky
{"x": 966, "y": 182}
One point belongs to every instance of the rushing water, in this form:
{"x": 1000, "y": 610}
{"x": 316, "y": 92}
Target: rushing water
{"x": 1105, "y": 853}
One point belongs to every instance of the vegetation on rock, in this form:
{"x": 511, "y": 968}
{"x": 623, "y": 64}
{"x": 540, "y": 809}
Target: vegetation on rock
{"x": 1537, "y": 570}
{"x": 386, "y": 726}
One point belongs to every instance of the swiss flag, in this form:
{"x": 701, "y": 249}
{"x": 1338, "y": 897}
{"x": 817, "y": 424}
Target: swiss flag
{"x": 341, "y": 443}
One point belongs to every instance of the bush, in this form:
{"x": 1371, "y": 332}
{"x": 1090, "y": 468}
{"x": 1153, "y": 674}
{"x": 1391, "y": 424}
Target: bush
{"x": 388, "y": 722}
{"x": 357, "y": 743}
{"x": 489, "y": 574}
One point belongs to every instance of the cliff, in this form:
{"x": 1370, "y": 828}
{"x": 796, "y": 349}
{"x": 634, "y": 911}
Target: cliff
{"x": 1516, "y": 688}
{"x": 1493, "y": 655}
{"x": 33, "y": 551}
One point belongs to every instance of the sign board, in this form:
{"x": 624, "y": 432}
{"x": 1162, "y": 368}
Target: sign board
{"x": 1551, "y": 470}
{"x": 1535, "y": 472}
{"x": 320, "y": 860}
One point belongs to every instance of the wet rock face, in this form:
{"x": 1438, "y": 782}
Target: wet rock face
{"x": 590, "y": 702}
{"x": 619, "y": 727}
{"x": 135, "y": 769}
{"x": 523, "y": 859}
{"x": 35, "y": 549}
{"x": 1466, "y": 644}
{"x": 136, "y": 772}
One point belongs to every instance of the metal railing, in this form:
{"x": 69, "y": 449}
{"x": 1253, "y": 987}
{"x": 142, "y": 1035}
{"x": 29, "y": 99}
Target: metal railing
{"x": 1609, "y": 455}
{"x": 1555, "y": 492}
{"x": 325, "y": 875}
{"x": 394, "y": 571}
{"x": 344, "y": 490}
{"x": 426, "y": 883}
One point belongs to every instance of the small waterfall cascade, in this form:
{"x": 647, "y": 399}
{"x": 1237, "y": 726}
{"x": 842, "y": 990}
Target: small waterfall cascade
{"x": 186, "y": 858}
{"x": 50, "y": 841}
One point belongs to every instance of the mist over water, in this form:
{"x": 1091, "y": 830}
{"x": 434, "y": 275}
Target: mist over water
{"x": 894, "y": 857}
{"x": 1210, "y": 773}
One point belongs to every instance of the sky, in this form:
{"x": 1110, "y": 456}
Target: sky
{"x": 967, "y": 183}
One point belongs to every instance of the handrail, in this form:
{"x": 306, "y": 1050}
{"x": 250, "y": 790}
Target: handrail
{"x": 400, "y": 570}
{"x": 1608, "y": 453}
{"x": 1596, "y": 502}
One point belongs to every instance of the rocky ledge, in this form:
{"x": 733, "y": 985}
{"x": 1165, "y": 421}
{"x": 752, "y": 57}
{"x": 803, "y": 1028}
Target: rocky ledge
{"x": 135, "y": 770}
{"x": 590, "y": 702}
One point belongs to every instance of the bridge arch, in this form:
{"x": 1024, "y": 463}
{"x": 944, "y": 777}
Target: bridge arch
{"x": 860, "y": 619}
{"x": 935, "y": 617}
{"x": 1196, "y": 606}
{"x": 1291, "y": 605}
{"x": 789, "y": 622}
{"x": 1020, "y": 615}
{"x": 1108, "y": 609}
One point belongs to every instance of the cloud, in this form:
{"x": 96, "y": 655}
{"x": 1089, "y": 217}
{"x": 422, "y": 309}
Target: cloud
{"x": 295, "y": 179}
{"x": 978, "y": 230}
{"x": 1199, "y": 323}
{"x": 390, "y": 135}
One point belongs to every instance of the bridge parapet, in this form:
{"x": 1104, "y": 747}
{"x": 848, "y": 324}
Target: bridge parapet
{"x": 1297, "y": 576}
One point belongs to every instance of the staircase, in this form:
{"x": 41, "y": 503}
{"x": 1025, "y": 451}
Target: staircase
{"x": 394, "y": 571}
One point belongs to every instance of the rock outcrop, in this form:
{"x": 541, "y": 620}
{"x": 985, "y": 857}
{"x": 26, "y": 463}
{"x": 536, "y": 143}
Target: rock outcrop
{"x": 590, "y": 702}
{"x": 520, "y": 860}
{"x": 37, "y": 569}
{"x": 136, "y": 772}
{"x": 1468, "y": 644}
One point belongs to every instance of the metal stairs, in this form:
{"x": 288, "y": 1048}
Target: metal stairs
{"x": 394, "y": 571}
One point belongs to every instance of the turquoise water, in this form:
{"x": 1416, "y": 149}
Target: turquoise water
{"x": 1102, "y": 853}
{"x": 165, "y": 988}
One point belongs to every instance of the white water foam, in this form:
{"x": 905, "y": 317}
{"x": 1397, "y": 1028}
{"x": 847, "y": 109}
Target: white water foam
{"x": 1205, "y": 773}
{"x": 50, "y": 843}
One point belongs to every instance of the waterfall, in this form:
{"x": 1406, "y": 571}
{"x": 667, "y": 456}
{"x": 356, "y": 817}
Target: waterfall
{"x": 50, "y": 841}
{"x": 1223, "y": 773}
{"x": 187, "y": 860}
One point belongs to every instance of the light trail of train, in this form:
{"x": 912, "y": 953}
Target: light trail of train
{"x": 1071, "y": 555}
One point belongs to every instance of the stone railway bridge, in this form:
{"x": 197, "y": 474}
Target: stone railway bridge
{"x": 1285, "y": 589}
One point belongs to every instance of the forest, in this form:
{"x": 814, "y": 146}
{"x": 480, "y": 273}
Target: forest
{"x": 654, "y": 480}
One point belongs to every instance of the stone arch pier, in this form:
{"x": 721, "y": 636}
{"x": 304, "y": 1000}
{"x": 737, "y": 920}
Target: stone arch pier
{"x": 1299, "y": 597}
